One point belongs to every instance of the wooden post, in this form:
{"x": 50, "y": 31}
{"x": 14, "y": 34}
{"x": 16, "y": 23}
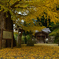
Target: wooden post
{"x": 1, "y": 39}
{"x": 20, "y": 38}
{"x": 45, "y": 38}
{"x": 12, "y": 41}
{"x": 0, "y": 43}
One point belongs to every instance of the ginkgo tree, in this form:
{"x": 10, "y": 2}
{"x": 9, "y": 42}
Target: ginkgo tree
{"x": 36, "y": 8}
{"x": 33, "y": 9}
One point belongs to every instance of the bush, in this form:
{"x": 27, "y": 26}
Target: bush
{"x": 22, "y": 42}
{"x": 52, "y": 34}
{"x": 28, "y": 37}
{"x": 15, "y": 35}
{"x": 57, "y": 38}
{"x": 30, "y": 43}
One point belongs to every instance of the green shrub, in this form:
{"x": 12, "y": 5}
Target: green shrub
{"x": 15, "y": 36}
{"x": 52, "y": 34}
{"x": 55, "y": 41}
{"x": 57, "y": 38}
{"x": 22, "y": 42}
{"x": 30, "y": 43}
{"x": 28, "y": 37}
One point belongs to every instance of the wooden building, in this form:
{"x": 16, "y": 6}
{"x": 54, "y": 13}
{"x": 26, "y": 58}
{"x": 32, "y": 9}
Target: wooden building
{"x": 41, "y": 36}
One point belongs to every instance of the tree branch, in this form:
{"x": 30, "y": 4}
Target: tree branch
{"x": 1, "y": 3}
{"x": 15, "y": 3}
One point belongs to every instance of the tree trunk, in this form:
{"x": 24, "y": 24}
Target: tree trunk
{"x": 25, "y": 39}
{"x": 20, "y": 38}
{"x": 7, "y": 23}
{"x": 9, "y": 26}
{"x": 58, "y": 44}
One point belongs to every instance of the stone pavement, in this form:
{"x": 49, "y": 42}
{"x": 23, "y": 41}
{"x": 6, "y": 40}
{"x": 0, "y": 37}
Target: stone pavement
{"x": 41, "y": 44}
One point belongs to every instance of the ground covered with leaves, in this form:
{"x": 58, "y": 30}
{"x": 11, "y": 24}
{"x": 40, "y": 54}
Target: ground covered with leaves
{"x": 30, "y": 52}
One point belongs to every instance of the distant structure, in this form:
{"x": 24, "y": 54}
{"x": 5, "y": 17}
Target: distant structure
{"x": 41, "y": 36}
{"x": 47, "y": 30}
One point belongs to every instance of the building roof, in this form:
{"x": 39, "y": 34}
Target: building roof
{"x": 47, "y": 30}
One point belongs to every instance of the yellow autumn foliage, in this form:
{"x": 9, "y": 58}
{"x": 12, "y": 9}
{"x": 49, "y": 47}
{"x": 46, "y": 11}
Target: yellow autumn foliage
{"x": 35, "y": 8}
{"x": 28, "y": 52}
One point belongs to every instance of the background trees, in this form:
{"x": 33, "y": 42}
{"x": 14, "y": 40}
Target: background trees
{"x": 31, "y": 10}
{"x": 55, "y": 32}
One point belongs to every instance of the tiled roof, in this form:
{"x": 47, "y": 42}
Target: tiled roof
{"x": 47, "y": 30}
